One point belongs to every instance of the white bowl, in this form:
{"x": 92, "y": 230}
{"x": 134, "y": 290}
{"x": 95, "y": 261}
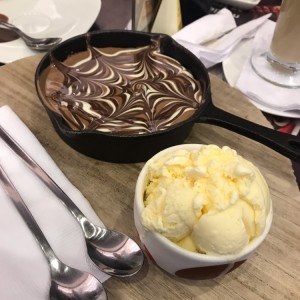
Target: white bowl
{"x": 176, "y": 260}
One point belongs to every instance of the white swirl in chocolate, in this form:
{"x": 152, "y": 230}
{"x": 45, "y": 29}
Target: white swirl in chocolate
{"x": 124, "y": 91}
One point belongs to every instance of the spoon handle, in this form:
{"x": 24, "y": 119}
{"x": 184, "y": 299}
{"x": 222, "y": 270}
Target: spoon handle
{"x": 21, "y": 206}
{"x": 15, "y": 29}
{"x": 48, "y": 181}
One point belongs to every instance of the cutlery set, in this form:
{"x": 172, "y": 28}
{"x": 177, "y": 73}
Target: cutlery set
{"x": 113, "y": 252}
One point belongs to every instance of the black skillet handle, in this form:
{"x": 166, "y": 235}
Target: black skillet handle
{"x": 286, "y": 144}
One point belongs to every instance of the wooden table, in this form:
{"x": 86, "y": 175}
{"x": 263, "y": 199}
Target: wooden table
{"x": 273, "y": 272}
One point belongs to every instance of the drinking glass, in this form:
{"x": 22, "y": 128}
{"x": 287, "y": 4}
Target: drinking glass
{"x": 144, "y": 13}
{"x": 281, "y": 64}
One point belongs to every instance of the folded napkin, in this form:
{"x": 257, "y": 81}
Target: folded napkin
{"x": 209, "y": 27}
{"x": 260, "y": 90}
{"x": 24, "y": 272}
{"x": 201, "y": 31}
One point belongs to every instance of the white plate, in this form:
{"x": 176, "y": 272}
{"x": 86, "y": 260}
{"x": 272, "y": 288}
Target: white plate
{"x": 232, "y": 67}
{"x": 46, "y": 18}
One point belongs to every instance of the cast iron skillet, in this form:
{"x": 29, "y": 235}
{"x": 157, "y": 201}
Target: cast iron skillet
{"x": 137, "y": 148}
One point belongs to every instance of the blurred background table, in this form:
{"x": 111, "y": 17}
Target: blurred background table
{"x": 114, "y": 14}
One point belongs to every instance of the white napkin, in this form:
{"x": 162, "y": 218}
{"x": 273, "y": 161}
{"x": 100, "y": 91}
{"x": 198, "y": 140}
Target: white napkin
{"x": 201, "y": 31}
{"x": 216, "y": 52}
{"x": 24, "y": 272}
{"x": 258, "y": 89}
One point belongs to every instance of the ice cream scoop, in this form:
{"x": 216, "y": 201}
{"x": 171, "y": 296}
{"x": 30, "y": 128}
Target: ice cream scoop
{"x": 208, "y": 200}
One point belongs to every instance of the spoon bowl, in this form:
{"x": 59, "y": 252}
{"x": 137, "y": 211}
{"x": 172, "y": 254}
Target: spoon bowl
{"x": 74, "y": 283}
{"x": 38, "y": 44}
{"x": 114, "y": 252}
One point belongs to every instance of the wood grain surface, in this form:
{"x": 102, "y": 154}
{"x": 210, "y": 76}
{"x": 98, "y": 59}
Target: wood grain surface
{"x": 273, "y": 272}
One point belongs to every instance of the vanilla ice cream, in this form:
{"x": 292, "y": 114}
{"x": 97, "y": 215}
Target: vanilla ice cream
{"x": 209, "y": 200}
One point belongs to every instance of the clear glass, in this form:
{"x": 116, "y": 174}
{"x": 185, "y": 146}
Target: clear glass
{"x": 144, "y": 14}
{"x": 281, "y": 64}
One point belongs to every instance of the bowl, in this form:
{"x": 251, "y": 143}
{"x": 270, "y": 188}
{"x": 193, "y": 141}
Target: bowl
{"x": 176, "y": 260}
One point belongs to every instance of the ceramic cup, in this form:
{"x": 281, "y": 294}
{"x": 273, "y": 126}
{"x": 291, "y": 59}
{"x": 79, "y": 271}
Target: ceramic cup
{"x": 176, "y": 260}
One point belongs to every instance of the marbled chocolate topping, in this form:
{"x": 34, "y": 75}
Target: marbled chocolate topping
{"x": 124, "y": 91}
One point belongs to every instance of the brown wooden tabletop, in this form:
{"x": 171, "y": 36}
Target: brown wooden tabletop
{"x": 273, "y": 272}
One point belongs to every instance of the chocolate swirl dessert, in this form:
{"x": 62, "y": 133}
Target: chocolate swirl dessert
{"x": 121, "y": 90}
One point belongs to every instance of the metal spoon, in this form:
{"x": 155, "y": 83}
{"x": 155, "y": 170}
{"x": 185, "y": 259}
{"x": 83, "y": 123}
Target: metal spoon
{"x": 113, "y": 252}
{"x": 40, "y": 44}
{"x": 66, "y": 282}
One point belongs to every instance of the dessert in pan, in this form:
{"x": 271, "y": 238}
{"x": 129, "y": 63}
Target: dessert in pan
{"x": 110, "y": 93}
{"x": 122, "y": 91}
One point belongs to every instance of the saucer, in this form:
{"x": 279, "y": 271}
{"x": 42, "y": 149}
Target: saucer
{"x": 232, "y": 67}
